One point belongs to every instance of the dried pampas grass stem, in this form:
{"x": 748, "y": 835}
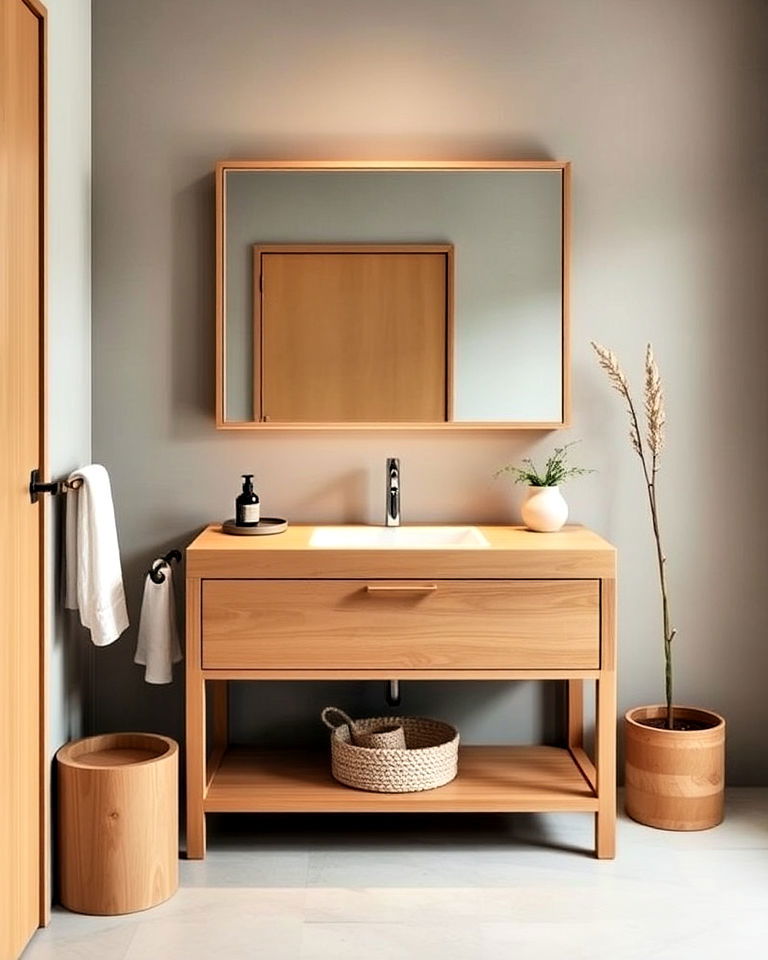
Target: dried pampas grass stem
{"x": 655, "y": 417}
{"x": 654, "y": 407}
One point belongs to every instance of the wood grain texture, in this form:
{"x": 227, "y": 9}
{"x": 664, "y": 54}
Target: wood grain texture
{"x": 455, "y": 426}
{"x": 605, "y": 726}
{"x": 514, "y": 552}
{"x": 566, "y": 296}
{"x": 118, "y": 822}
{"x": 280, "y": 599}
{"x": 23, "y": 797}
{"x": 243, "y": 164}
{"x": 462, "y": 624}
{"x": 584, "y": 762}
{"x": 490, "y": 779}
{"x": 574, "y": 705}
{"x": 221, "y": 293}
{"x": 675, "y": 779}
{"x": 225, "y": 166}
{"x": 351, "y": 333}
{"x": 195, "y": 744}
{"x": 46, "y": 572}
{"x": 220, "y": 706}
{"x": 219, "y": 739}
{"x": 432, "y": 673}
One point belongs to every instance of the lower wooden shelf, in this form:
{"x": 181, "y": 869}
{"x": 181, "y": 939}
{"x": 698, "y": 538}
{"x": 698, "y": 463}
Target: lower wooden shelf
{"x": 492, "y": 779}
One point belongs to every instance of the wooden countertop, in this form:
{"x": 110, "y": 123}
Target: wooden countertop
{"x": 513, "y": 552}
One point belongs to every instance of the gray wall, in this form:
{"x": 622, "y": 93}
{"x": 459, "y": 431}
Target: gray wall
{"x": 69, "y": 330}
{"x": 659, "y": 106}
{"x": 70, "y": 656}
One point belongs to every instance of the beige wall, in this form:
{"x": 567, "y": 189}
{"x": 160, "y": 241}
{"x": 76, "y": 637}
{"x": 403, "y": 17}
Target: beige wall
{"x": 658, "y": 105}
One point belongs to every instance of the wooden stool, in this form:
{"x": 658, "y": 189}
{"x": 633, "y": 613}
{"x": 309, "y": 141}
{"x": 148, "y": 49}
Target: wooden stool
{"x": 118, "y": 822}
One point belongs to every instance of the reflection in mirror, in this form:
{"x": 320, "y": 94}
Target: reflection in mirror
{"x": 351, "y": 332}
{"x": 410, "y": 296}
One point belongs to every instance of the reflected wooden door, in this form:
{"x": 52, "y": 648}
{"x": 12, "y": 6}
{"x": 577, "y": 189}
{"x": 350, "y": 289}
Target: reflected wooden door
{"x": 21, "y": 435}
{"x": 355, "y": 333}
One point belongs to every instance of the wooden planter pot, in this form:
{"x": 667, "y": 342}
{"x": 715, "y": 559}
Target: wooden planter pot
{"x": 675, "y": 779}
{"x": 118, "y": 822}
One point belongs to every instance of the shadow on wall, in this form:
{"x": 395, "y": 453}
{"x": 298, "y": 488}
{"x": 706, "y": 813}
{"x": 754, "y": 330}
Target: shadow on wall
{"x": 71, "y": 645}
{"x": 285, "y": 714}
{"x": 193, "y": 309}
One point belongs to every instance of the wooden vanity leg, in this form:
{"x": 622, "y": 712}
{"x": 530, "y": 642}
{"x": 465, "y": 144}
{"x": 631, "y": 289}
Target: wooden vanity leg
{"x": 220, "y": 701}
{"x": 195, "y": 745}
{"x": 574, "y": 693}
{"x": 219, "y": 691}
{"x": 605, "y": 746}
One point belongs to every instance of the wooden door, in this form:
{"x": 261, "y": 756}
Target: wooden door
{"x": 352, "y": 333}
{"x": 21, "y": 439}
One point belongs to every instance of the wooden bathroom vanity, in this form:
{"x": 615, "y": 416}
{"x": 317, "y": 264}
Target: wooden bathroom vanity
{"x": 525, "y": 606}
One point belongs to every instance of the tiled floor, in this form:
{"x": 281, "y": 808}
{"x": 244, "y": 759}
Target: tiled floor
{"x": 394, "y": 888}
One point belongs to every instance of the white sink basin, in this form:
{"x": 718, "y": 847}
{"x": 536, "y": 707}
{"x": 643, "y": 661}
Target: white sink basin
{"x": 398, "y": 538}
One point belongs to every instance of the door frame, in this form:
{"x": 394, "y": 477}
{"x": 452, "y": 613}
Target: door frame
{"x": 44, "y": 803}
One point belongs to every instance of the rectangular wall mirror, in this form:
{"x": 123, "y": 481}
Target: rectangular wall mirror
{"x": 361, "y": 294}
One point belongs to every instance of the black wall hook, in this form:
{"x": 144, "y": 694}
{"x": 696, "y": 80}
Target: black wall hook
{"x": 54, "y": 487}
{"x": 155, "y": 572}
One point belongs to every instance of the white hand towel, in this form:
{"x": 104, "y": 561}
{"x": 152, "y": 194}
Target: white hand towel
{"x": 158, "y": 645}
{"x": 94, "y": 577}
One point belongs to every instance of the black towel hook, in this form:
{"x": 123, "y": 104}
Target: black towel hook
{"x": 155, "y": 572}
{"x": 54, "y": 487}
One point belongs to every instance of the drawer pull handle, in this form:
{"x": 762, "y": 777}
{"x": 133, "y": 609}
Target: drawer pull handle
{"x": 401, "y": 587}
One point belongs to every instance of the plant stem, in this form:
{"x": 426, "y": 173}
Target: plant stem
{"x": 668, "y": 632}
{"x": 650, "y": 484}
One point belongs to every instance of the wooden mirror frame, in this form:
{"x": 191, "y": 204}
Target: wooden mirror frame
{"x": 225, "y": 166}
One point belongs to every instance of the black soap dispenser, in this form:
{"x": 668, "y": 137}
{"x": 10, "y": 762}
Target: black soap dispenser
{"x": 247, "y": 504}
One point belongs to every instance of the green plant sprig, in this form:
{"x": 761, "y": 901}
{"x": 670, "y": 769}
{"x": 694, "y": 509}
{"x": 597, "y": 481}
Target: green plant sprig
{"x": 556, "y": 470}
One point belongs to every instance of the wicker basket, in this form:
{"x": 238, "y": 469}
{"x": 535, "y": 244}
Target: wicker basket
{"x": 429, "y": 760}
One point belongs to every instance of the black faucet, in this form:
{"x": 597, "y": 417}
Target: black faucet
{"x": 393, "y": 492}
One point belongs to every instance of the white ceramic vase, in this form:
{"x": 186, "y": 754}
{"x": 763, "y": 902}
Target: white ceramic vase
{"x": 544, "y": 509}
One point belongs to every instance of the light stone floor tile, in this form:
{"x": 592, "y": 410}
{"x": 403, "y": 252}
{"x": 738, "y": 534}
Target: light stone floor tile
{"x": 205, "y": 937}
{"x": 389, "y": 941}
{"x": 253, "y": 867}
{"x": 87, "y": 939}
{"x": 332, "y": 888}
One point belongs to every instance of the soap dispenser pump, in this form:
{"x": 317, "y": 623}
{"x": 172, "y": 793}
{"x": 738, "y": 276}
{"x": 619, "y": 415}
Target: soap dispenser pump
{"x": 247, "y": 504}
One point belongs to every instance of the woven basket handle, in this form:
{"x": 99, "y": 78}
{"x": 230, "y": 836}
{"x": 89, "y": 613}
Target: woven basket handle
{"x": 331, "y": 711}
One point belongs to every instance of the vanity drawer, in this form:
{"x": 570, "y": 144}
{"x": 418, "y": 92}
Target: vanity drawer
{"x": 402, "y": 624}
